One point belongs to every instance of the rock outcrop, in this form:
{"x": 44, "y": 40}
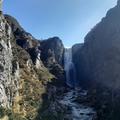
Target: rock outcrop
{"x": 9, "y": 74}
{"x": 52, "y": 55}
{"x": 76, "y": 49}
{"x": 25, "y": 75}
{"x": 25, "y": 40}
{"x": 99, "y": 56}
{"x": 98, "y": 66}
{"x": 52, "y": 51}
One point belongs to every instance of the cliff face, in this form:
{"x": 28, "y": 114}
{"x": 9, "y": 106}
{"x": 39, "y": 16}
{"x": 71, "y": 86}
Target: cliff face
{"x": 52, "y": 55}
{"x": 24, "y": 74}
{"x": 8, "y": 76}
{"x": 99, "y": 56}
{"x": 98, "y": 64}
{"x": 48, "y": 52}
{"x": 25, "y": 40}
{"x": 52, "y": 51}
{"x": 76, "y": 49}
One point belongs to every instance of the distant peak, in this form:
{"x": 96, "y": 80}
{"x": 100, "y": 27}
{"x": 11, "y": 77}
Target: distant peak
{"x": 55, "y": 38}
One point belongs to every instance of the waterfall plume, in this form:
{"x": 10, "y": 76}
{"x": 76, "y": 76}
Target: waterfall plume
{"x": 69, "y": 68}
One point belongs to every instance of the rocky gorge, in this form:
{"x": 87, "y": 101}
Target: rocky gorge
{"x": 97, "y": 64}
{"x": 27, "y": 77}
{"x": 43, "y": 80}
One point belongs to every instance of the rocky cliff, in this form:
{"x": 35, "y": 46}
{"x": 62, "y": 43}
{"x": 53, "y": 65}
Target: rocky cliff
{"x": 48, "y": 53}
{"x": 25, "y": 74}
{"x": 52, "y": 51}
{"x": 99, "y": 56}
{"x": 76, "y": 49}
{"x": 32, "y": 71}
{"x": 8, "y": 75}
{"x": 98, "y": 65}
{"x": 52, "y": 55}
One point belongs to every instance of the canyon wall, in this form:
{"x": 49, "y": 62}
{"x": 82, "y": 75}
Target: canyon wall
{"x": 98, "y": 64}
{"x": 98, "y": 58}
{"x": 25, "y": 75}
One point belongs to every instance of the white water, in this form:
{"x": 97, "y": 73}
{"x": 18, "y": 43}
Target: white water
{"x": 78, "y": 111}
{"x": 69, "y": 68}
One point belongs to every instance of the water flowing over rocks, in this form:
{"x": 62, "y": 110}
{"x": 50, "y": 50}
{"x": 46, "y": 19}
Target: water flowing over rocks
{"x": 75, "y": 110}
{"x": 71, "y": 79}
{"x": 41, "y": 80}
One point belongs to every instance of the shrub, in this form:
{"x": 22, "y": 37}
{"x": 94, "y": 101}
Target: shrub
{"x": 2, "y": 112}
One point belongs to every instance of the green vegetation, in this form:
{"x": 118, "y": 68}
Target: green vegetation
{"x": 11, "y": 115}
{"x": 2, "y": 112}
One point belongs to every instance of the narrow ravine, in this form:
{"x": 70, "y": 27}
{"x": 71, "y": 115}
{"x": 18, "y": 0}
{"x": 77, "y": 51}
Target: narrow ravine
{"x": 77, "y": 111}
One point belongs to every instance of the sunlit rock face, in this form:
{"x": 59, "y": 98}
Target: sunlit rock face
{"x": 24, "y": 79}
{"x": 99, "y": 56}
{"x": 48, "y": 53}
{"x": 8, "y": 73}
{"x": 26, "y": 41}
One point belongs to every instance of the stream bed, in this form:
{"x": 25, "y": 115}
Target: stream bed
{"x": 77, "y": 111}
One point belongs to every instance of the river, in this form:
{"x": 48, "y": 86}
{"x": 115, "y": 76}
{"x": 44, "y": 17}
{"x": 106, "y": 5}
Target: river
{"x": 77, "y": 111}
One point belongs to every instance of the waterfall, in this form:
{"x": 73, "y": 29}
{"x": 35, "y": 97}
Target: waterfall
{"x": 69, "y": 68}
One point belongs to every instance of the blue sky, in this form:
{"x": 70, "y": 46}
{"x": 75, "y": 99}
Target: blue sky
{"x": 70, "y": 20}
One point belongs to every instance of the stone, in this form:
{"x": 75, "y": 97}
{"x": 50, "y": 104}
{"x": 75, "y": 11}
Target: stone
{"x": 98, "y": 58}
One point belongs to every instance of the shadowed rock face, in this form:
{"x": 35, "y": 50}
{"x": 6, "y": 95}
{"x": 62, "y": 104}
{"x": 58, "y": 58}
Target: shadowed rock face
{"x": 52, "y": 55}
{"x": 98, "y": 64}
{"x": 52, "y": 51}
{"x": 76, "y": 49}
{"x": 118, "y": 2}
{"x": 99, "y": 57}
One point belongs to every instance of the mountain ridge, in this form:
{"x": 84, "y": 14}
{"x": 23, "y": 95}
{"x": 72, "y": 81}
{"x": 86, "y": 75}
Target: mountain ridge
{"x": 24, "y": 78}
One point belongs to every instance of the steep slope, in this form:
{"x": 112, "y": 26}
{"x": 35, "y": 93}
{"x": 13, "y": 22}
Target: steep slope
{"x": 8, "y": 76}
{"x": 52, "y": 55}
{"x": 76, "y": 49}
{"x": 98, "y": 65}
{"x": 21, "y": 87}
{"x": 24, "y": 79}
{"x": 48, "y": 52}
{"x": 99, "y": 56}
